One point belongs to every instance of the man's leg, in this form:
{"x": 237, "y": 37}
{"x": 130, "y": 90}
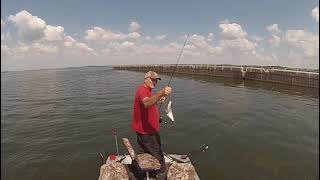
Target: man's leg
{"x": 152, "y": 144}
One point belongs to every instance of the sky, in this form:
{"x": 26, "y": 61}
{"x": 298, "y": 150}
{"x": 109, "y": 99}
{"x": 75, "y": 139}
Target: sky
{"x": 41, "y": 34}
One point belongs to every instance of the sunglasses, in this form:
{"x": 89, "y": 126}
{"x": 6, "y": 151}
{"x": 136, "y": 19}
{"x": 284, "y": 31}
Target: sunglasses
{"x": 154, "y": 80}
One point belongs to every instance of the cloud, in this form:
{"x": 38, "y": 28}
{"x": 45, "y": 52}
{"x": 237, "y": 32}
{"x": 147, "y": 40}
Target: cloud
{"x": 160, "y": 37}
{"x": 257, "y": 38}
{"x": 274, "y": 29}
{"x": 198, "y": 41}
{"x": 275, "y": 33}
{"x": 134, "y": 26}
{"x": 304, "y": 41}
{"x": 200, "y": 45}
{"x": 274, "y": 40}
{"x": 100, "y": 34}
{"x": 240, "y": 44}
{"x": 40, "y": 49}
{"x": 5, "y": 51}
{"x": 134, "y": 35}
{"x": 54, "y": 33}
{"x": 234, "y": 37}
{"x": 315, "y": 13}
{"x": 210, "y": 37}
{"x": 156, "y": 38}
{"x": 36, "y": 38}
{"x": 266, "y": 59}
{"x": 232, "y": 30}
{"x": 35, "y": 49}
{"x": 29, "y": 27}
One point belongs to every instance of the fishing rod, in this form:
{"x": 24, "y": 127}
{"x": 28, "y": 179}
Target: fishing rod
{"x": 185, "y": 42}
{"x": 175, "y": 68}
{"x": 203, "y": 148}
{"x": 100, "y": 153}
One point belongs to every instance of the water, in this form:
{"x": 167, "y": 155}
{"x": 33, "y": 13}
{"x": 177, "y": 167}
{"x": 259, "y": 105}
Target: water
{"x": 54, "y": 123}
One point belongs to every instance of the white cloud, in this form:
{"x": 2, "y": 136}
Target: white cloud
{"x": 102, "y": 35}
{"x": 210, "y": 37}
{"x": 240, "y": 44}
{"x": 82, "y": 47}
{"x": 199, "y": 45}
{"x": 126, "y": 48}
{"x": 257, "y": 38}
{"x": 71, "y": 46}
{"x": 274, "y": 29}
{"x": 198, "y": 41}
{"x": 5, "y": 50}
{"x": 275, "y": 33}
{"x": 54, "y": 33}
{"x": 156, "y": 38}
{"x": 274, "y": 40}
{"x": 134, "y": 26}
{"x": 29, "y": 27}
{"x": 160, "y": 37}
{"x": 134, "y": 35}
{"x": 215, "y": 51}
{"x": 304, "y": 41}
{"x": 23, "y": 50}
{"x": 46, "y": 40}
{"x": 265, "y": 59}
{"x": 235, "y": 37}
{"x": 315, "y": 13}
{"x": 232, "y": 45}
{"x": 40, "y": 49}
{"x": 232, "y": 30}
{"x": 68, "y": 41}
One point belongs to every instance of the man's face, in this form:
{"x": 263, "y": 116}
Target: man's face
{"x": 151, "y": 83}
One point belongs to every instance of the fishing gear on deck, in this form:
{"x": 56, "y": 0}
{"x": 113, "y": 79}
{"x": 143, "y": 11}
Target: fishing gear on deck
{"x": 101, "y": 156}
{"x": 169, "y": 109}
{"x": 100, "y": 153}
{"x": 185, "y": 158}
{"x": 114, "y": 133}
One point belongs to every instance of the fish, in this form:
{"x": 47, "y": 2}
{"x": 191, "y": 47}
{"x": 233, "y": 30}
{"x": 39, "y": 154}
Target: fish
{"x": 169, "y": 111}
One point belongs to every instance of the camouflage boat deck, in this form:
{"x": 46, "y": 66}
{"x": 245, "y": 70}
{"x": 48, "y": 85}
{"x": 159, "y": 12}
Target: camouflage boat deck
{"x": 136, "y": 166}
{"x": 183, "y": 170}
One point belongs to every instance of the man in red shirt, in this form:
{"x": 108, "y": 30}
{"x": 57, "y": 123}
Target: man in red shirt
{"x": 146, "y": 116}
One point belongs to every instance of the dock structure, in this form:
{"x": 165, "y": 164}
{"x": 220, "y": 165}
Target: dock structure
{"x": 273, "y": 74}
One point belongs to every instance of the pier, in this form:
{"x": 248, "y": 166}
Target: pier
{"x": 272, "y": 74}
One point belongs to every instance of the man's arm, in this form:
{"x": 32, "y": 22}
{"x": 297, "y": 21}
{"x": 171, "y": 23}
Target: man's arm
{"x": 149, "y": 101}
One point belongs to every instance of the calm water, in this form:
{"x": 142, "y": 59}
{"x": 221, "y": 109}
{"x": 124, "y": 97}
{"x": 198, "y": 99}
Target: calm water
{"x": 54, "y": 122}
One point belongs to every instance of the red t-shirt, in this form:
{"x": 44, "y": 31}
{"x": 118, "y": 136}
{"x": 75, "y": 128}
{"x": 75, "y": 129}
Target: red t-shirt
{"x": 145, "y": 120}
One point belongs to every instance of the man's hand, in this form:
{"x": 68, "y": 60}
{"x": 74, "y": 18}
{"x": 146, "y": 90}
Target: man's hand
{"x": 167, "y": 90}
{"x": 149, "y": 101}
{"x": 162, "y": 99}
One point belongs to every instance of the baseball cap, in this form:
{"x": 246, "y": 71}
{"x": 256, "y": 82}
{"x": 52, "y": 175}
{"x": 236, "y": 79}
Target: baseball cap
{"x": 152, "y": 75}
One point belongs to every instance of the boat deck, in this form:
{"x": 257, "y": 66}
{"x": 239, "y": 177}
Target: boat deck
{"x": 135, "y": 173}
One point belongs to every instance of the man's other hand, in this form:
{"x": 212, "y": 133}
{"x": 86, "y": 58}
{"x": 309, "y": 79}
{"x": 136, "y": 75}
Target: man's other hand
{"x": 167, "y": 90}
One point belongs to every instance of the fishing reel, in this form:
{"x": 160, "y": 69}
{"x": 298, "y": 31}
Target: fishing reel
{"x": 161, "y": 119}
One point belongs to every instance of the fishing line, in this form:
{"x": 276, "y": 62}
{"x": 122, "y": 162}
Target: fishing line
{"x": 173, "y": 72}
{"x": 185, "y": 42}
